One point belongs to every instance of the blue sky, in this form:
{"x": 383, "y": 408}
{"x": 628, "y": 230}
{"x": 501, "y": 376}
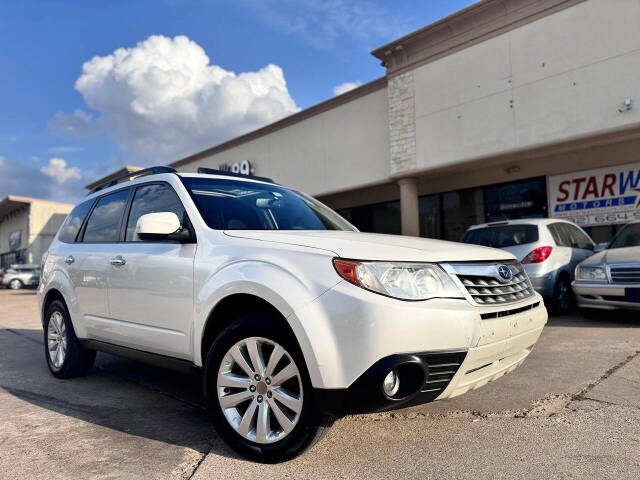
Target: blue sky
{"x": 161, "y": 98}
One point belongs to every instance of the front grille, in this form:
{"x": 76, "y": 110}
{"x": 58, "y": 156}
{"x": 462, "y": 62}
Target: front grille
{"x": 506, "y": 313}
{"x": 485, "y": 288}
{"x": 442, "y": 367}
{"x": 625, "y": 274}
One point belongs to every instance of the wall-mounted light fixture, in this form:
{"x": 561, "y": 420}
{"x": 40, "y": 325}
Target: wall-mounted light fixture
{"x": 628, "y": 105}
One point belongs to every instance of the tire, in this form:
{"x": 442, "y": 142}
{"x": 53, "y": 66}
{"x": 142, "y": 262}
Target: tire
{"x": 245, "y": 437}
{"x": 75, "y": 360}
{"x": 562, "y": 299}
{"x": 15, "y": 284}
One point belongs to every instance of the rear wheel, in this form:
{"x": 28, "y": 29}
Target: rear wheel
{"x": 562, "y": 299}
{"x": 66, "y": 357}
{"x": 15, "y": 284}
{"x": 259, "y": 392}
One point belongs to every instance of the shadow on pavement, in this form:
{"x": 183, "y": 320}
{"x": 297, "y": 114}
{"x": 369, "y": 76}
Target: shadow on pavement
{"x": 118, "y": 394}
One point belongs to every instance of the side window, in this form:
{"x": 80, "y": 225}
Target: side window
{"x": 72, "y": 225}
{"x": 150, "y": 199}
{"x": 579, "y": 239}
{"x": 104, "y": 222}
{"x": 560, "y": 235}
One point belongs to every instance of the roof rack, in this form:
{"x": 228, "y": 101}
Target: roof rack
{"x": 131, "y": 176}
{"x": 213, "y": 171}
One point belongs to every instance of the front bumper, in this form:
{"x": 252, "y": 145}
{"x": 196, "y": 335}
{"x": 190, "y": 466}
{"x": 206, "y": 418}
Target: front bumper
{"x": 429, "y": 376}
{"x": 604, "y": 296}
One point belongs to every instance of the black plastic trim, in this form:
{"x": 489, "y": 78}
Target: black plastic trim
{"x": 171, "y": 363}
{"x": 422, "y": 371}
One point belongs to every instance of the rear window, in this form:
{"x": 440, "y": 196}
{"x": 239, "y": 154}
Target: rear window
{"x": 104, "y": 222}
{"x": 74, "y": 221}
{"x": 502, "y": 236}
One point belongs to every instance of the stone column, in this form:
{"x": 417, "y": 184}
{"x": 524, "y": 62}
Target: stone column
{"x": 409, "y": 212}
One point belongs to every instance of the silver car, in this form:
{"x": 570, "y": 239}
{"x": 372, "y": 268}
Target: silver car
{"x": 549, "y": 250}
{"x": 611, "y": 279}
{"x": 19, "y": 276}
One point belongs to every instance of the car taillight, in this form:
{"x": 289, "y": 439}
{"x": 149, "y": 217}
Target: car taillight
{"x": 538, "y": 255}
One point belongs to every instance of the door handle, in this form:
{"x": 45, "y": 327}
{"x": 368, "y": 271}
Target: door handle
{"x": 118, "y": 261}
{"x": 69, "y": 260}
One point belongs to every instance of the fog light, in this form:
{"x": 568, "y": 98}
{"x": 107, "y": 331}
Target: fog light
{"x": 391, "y": 383}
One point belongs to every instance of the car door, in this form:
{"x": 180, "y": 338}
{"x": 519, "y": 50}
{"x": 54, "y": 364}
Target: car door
{"x": 90, "y": 265}
{"x": 151, "y": 288}
{"x": 581, "y": 246}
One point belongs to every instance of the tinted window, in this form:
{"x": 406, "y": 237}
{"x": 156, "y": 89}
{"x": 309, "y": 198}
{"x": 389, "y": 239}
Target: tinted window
{"x": 429, "y": 215}
{"x": 238, "y": 205}
{"x": 502, "y": 236}
{"x": 104, "y": 222}
{"x": 560, "y": 234}
{"x": 460, "y": 210}
{"x": 523, "y": 199}
{"x": 376, "y": 218}
{"x": 72, "y": 225}
{"x": 579, "y": 239}
{"x": 629, "y": 236}
{"x": 151, "y": 199}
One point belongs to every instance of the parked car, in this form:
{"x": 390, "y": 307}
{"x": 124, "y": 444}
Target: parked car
{"x": 611, "y": 279}
{"x": 292, "y": 314}
{"x": 20, "y": 276}
{"x": 549, "y": 250}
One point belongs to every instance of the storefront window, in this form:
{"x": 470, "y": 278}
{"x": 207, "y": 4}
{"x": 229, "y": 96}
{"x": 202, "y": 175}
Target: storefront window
{"x": 460, "y": 210}
{"x": 377, "y": 218}
{"x": 524, "y": 199}
{"x": 430, "y": 218}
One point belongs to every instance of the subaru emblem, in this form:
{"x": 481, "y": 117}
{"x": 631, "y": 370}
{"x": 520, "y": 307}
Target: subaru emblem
{"x": 504, "y": 273}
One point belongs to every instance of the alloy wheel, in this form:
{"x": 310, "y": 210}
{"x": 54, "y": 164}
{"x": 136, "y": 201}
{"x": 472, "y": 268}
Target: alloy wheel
{"x": 260, "y": 390}
{"x": 57, "y": 339}
{"x": 15, "y": 284}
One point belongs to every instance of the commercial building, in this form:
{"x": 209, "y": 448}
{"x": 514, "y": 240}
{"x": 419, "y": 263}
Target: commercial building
{"x": 506, "y": 109}
{"x": 27, "y": 227}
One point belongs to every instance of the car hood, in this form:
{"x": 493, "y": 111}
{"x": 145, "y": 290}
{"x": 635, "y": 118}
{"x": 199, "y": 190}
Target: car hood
{"x": 375, "y": 246}
{"x": 615, "y": 255}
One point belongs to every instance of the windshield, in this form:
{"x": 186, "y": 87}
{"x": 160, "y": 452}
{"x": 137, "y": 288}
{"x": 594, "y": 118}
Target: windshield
{"x": 629, "y": 236}
{"x": 238, "y": 205}
{"x": 502, "y": 236}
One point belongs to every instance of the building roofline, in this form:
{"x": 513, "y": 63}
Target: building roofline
{"x": 112, "y": 175}
{"x": 474, "y": 24}
{"x": 317, "y": 109}
{"x": 30, "y": 200}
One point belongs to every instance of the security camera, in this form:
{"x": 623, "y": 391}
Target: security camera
{"x": 626, "y": 107}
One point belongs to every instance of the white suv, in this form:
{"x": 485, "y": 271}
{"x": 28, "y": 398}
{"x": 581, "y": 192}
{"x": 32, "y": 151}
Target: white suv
{"x": 292, "y": 314}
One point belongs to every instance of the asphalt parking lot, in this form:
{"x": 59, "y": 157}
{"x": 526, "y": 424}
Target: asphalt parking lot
{"x": 571, "y": 411}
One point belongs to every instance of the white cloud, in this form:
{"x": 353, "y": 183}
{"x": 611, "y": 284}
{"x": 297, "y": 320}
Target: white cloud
{"x": 57, "y": 169}
{"x": 345, "y": 87}
{"x": 162, "y": 99}
{"x": 56, "y": 181}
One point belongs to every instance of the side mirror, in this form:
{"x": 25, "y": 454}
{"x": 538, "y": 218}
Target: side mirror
{"x": 600, "y": 247}
{"x": 158, "y": 226}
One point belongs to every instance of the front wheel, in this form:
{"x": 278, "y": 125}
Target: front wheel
{"x": 259, "y": 392}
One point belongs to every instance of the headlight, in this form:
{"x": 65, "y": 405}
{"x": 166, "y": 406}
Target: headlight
{"x": 406, "y": 281}
{"x": 590, "y": 273}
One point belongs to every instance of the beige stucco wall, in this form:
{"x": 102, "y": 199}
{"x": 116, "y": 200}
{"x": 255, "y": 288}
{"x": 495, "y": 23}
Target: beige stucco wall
{"x": 557, "y": 78}
{"x": 338, "y": 149}
{"x": 44, "y": 221}
{"x": 16, "y": 220}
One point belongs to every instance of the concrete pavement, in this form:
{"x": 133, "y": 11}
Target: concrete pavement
{"x": 571, "y": 411}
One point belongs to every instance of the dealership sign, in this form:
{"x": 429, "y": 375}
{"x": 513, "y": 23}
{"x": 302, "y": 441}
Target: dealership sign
{"x": 603, "y": 196}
